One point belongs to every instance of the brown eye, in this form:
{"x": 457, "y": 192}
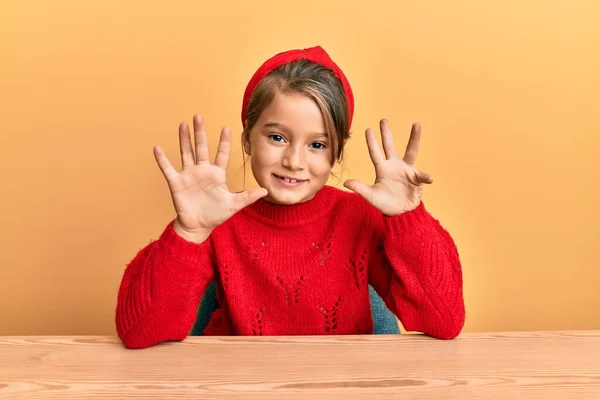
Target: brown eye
{"x": 318, "y": 146}
{"x": 276, "y": 138}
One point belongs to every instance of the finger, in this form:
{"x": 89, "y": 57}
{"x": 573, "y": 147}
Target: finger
{"x": 412, "y": 148}
{"x": 387, "y": 138}
{"x": 423, "y": 177}
{"x": 360, "y": 188}
{"x": 248, "y": 197}
{"x": 185, "y": 146}
{"x": 202, "y": 155}
{"x": 374, "y": 149}
{"x": 224, "y": 150}
{"x": 164, "y": 164}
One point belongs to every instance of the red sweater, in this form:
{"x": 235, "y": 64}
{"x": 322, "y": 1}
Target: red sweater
{"x": 296, "y": 270}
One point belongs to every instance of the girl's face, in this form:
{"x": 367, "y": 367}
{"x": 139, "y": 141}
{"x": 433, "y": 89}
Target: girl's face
{"x": 289, "y": 149}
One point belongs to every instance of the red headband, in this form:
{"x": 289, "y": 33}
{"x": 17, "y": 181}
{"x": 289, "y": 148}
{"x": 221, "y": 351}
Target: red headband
{"x": 315, "y": 54}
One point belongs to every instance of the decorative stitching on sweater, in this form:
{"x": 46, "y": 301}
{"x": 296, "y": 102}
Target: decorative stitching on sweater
{"x": 358, "y": 269}
{"x": 291, "y": 291}
{"x": 324, "y": 250}
{"x": 226, "y": 276}
{"x": 330, "y": 316}
{"x": 257, "y": 324}
{"x": 254, "y": 252}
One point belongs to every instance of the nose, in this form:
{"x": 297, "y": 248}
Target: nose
{"x": 294, "y": 158}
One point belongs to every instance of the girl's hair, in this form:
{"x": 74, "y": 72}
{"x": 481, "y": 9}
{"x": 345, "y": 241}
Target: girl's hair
{"x": 317, "y": 83}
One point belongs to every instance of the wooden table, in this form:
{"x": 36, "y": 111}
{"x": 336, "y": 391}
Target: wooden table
{"x": 526, "y": 365}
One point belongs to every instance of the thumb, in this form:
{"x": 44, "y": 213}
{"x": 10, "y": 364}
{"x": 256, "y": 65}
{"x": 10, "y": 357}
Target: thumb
{"x": 362, "y": 189}
{"x": 424, "y": 177}
{"x": 248, "y": 197}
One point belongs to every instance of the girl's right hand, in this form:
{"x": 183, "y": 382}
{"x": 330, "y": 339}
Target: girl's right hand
{"x": 200, "y": 195}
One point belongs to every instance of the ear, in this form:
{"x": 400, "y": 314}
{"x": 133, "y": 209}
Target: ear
{"x": 246, "y": 142}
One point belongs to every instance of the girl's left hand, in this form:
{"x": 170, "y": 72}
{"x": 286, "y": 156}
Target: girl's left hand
{"x": 398, "y": 184}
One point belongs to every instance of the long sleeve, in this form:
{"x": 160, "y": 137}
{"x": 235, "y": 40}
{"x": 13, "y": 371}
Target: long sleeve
{"x": 417, "y": 271}
{"x": 161, "y": 289}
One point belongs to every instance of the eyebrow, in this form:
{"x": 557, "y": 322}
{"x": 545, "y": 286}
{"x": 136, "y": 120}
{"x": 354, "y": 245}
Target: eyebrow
{"x": 283, "y": 127}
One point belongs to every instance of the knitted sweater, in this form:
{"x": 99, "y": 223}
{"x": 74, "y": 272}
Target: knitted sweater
{"x": 296, "y": 270}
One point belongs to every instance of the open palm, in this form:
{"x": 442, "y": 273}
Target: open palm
{"x": 398, "y": 184}
{"x": 200, "y": 195}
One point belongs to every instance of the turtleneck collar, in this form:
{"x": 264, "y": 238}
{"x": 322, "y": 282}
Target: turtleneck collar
{"x": 295, "y": 214}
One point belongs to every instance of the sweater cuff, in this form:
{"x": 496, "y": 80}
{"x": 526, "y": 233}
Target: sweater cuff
{"x": 180, "y": 248}
{"x": 408, "y": 221}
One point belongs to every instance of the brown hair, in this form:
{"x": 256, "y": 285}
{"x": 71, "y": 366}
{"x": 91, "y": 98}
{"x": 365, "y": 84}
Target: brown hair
{"x": 317, "y": 83}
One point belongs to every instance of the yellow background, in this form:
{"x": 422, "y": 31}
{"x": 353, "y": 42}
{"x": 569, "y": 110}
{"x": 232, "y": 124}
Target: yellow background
{"x": 508, "y": 94}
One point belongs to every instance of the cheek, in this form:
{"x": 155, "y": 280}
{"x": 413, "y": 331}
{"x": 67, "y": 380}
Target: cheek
{"x": 262, "y": 157}
{"x": 320, "y": 165}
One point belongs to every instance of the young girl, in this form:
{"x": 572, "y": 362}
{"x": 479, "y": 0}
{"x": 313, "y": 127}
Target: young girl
{"x": 295, "y": 256}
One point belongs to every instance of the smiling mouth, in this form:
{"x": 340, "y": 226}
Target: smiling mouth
{"x": 289, "y": 180}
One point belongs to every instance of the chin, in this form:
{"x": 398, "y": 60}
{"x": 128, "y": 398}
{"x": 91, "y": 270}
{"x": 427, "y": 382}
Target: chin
{"x": 285, "y": 200}
{"x": 277, "y": 197}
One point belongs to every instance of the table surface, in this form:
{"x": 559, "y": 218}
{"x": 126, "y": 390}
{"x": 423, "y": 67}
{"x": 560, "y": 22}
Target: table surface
{"x": 527, "y": 365}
